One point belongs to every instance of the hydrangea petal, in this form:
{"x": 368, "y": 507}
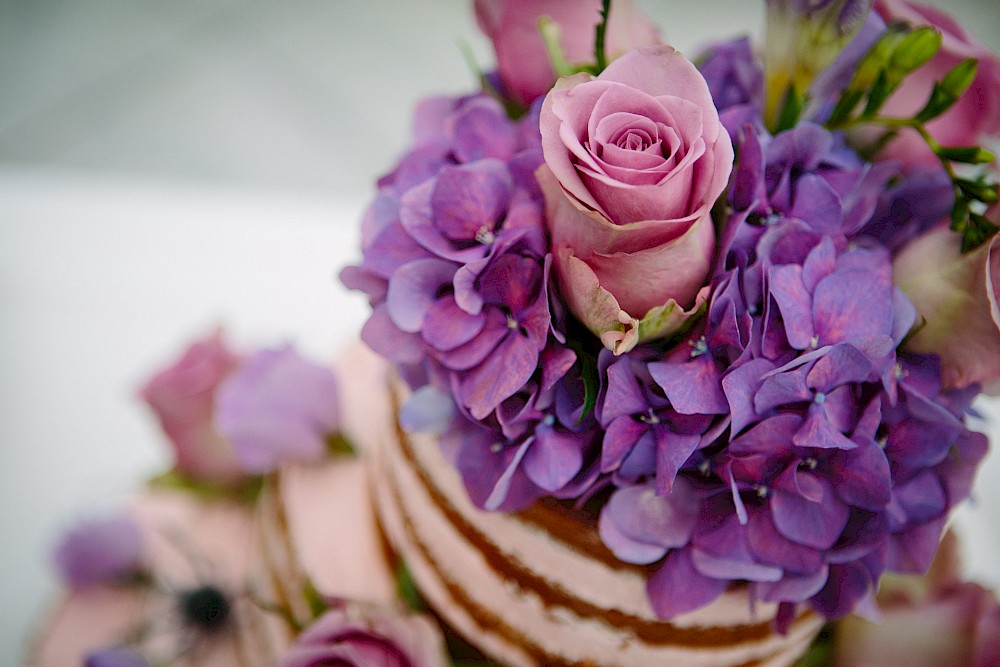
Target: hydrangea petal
{"x": 672, "y": 450}
{"x": 770, "y": 547}
{"x": 642, "y": 515}
{"x": 620, "y": 437}
{"x": 554, "y": 459}
{"x": 677, "y": 586}
{"x": 813, "y": 523}
{"x": 502, "y": 373}
{"x": 413, "y": 288}
{"x": 795, "y": 304}
{"x": 841, "y": 316}
{"x": 446, "y": 326}
{"x": 694, "y": 387}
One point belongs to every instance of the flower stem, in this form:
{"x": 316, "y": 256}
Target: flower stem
{"x": 600, "y": 55}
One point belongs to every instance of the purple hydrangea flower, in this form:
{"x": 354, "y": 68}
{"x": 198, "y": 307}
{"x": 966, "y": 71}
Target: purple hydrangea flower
{"x": 277, "y": 407}
{"x": 115, "y": 657}
{"x": 456, "y": 270}
{"x": 735, "y": 77}
{"x": 537, "y": 442}
{"x": 656, "y": 413}
{"x": 101, "y": 551}
{"x": 911, "y": 207}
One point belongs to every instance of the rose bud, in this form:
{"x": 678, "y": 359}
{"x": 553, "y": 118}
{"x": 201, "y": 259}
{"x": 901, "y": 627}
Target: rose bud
{"x": 974, "y": 116}
{"x": 183, "y": 398}
{"x": 359, "y": 635}
{"x": 635, "y": 159}
{"x": 522, "y": 61}
{"x": 956, "y": 294}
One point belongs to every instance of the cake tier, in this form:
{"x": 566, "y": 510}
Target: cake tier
{"x": 538, "y": 587}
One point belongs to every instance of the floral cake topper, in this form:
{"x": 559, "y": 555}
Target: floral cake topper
{"x": 741, "y": 305}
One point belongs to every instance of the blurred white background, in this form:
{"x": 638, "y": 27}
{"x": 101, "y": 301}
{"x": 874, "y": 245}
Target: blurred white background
{"x": 169, "y": 166}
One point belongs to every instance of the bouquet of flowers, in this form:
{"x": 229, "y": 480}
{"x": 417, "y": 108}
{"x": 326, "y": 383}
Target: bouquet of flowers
{"x": 737, "y": 306}
{"x": 743, "y": 305}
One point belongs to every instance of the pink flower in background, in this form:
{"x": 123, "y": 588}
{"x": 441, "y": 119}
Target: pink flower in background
{"x": 637, "y": 159}
{"x": 522, "y": 61}
{"x": 183, "y": 398}
{"x": 957, "y": 295}
{"x": 977, "y": 112}
{"x": 277, "y": 406}
{"x": 931, "y": 621}
{"x": 361, "y": 635}
{"x": 189, "y": 609}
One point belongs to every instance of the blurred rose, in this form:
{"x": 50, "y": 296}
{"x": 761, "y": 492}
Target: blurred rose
{"x": 637, "y": 159}
{"x": 523, "y": 63}
{"x": 957, "y": 296}
{"x": 277, "y": 407}
{"x": 925, "y": 622}
{"x": 977, "y": 112}
{"x": 183, "y": 398}
{"x": 361, "y": 635}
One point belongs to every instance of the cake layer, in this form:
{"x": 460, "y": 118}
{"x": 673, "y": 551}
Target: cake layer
{"x": 538, "y": 587}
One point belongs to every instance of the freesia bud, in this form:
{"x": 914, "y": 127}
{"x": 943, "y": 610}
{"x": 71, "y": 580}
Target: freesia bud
{"x": 803, "y": 38}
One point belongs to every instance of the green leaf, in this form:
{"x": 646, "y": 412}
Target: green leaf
{"x": 820, "y": 652}
{"x": 792, "y": 106}
{"x": 338, "y": 445}
{"x": 977, "y": 232}
{"x": 407, "y": 589}
{"x": 591, "y": 383}
{"x": 845, "y": 106}
{"x": 246, "y": 490}
{"x": 915, "y": 50}
{"x": 965, "y": 154}
{"x": 878, "y": 94}
{"x": 600, "y": 54}
{"x": 317, "y": 604}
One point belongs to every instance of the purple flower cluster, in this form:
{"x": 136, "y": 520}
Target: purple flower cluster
{"x": 100, "y": 551}
{"x": 456, "y": 269}
{"x": 782, "y": 440}
{"x": 736, "y": 80}
{"x": 787, "y": 443}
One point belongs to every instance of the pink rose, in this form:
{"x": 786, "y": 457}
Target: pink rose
{"x": 957, "y": 296}
{"x": 977, "y": 112}
{"x": 183, "y": 398}
{"x": 358, "y": 635}
{"x": 522, "y": 61}
{"x": 925, "y": 622}
{"x": 635, "y": 161}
